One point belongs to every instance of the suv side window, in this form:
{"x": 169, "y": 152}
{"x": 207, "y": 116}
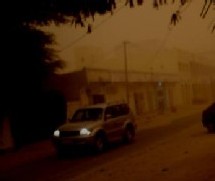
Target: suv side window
{"x": 116, "y": 110}
{"x": 108, "y": 113}
{"x": 124, "y": 109}
{"x": 111, "y": 112}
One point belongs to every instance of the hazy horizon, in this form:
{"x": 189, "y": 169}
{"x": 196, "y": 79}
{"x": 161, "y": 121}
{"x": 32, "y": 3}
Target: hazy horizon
{"x": 144, "y": 27}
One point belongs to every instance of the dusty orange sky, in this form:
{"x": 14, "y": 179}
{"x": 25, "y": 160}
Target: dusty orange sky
{"x": 147, "y": 30}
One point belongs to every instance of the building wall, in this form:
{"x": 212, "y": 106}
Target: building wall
{"x": 149, "y": 92}
{"x": 202, "y": 84}
{"x": 144, "y": 98}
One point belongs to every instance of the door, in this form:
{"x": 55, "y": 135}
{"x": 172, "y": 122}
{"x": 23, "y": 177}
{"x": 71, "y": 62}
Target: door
{"x": 115, "y": 117}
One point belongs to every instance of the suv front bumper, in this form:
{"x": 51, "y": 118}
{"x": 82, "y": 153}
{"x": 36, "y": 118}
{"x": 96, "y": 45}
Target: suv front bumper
{"x": 74, "y": 141}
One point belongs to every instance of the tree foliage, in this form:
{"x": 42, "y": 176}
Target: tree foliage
{"x": 44, "y": 12}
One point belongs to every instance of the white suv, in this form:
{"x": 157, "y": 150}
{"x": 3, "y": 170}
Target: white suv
{"x": 96, "y": 125}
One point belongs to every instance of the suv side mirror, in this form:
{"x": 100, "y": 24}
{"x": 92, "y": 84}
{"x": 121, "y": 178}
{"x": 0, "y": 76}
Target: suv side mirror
{"x": 108, "y": 116}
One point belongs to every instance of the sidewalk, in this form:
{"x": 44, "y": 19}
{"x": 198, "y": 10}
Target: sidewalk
{"x": 166, "y": 118}
{"x": 43, "y": 149}
{"x": 26, "y": 154}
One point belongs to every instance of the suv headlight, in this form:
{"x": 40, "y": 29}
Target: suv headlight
{"x": 85, "y": 131}
{"x": 57, "y": 133}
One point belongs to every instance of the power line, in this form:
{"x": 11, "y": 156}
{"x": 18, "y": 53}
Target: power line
{"x": 182, "y": 10}
{"x": 105, "y": 20}
{"x": 97, "y": 26}
{"x": 73, "y": 42}
{"x": 161, "y": 46}
{"x": 157, "y": 50}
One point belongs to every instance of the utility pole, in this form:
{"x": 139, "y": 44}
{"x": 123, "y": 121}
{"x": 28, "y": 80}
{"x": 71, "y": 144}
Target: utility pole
{"x": 126, "y": 71}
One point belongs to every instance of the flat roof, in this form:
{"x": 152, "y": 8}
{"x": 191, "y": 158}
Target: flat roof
{"x": 103, "y": 105}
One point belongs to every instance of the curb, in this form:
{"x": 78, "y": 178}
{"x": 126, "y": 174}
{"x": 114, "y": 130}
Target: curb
{"x": 166, "y": 118}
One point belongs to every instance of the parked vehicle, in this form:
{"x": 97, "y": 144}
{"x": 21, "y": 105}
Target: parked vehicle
{"x": 208, "y": 118}
{"x": 95, "y": 126}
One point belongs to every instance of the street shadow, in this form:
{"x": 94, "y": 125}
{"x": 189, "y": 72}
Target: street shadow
{"x": 72, "y": 153}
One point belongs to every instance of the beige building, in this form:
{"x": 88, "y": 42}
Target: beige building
{"x": 196, "y": 81}
{"x": 162, "y": 81}
{"x": 145, "y": 92}
{"x": 202, "y": 82}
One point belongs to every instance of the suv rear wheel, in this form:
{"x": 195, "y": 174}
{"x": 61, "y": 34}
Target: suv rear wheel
{"x": 129, "y": 134}
{"x": 210, "y": 127}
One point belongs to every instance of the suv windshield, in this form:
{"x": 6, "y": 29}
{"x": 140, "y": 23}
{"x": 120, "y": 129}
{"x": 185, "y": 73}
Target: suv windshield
{"x": 89, "y": 114}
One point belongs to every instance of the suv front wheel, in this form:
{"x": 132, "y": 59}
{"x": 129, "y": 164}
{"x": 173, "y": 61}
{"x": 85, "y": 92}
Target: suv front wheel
{"x": 99, "y": 143}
